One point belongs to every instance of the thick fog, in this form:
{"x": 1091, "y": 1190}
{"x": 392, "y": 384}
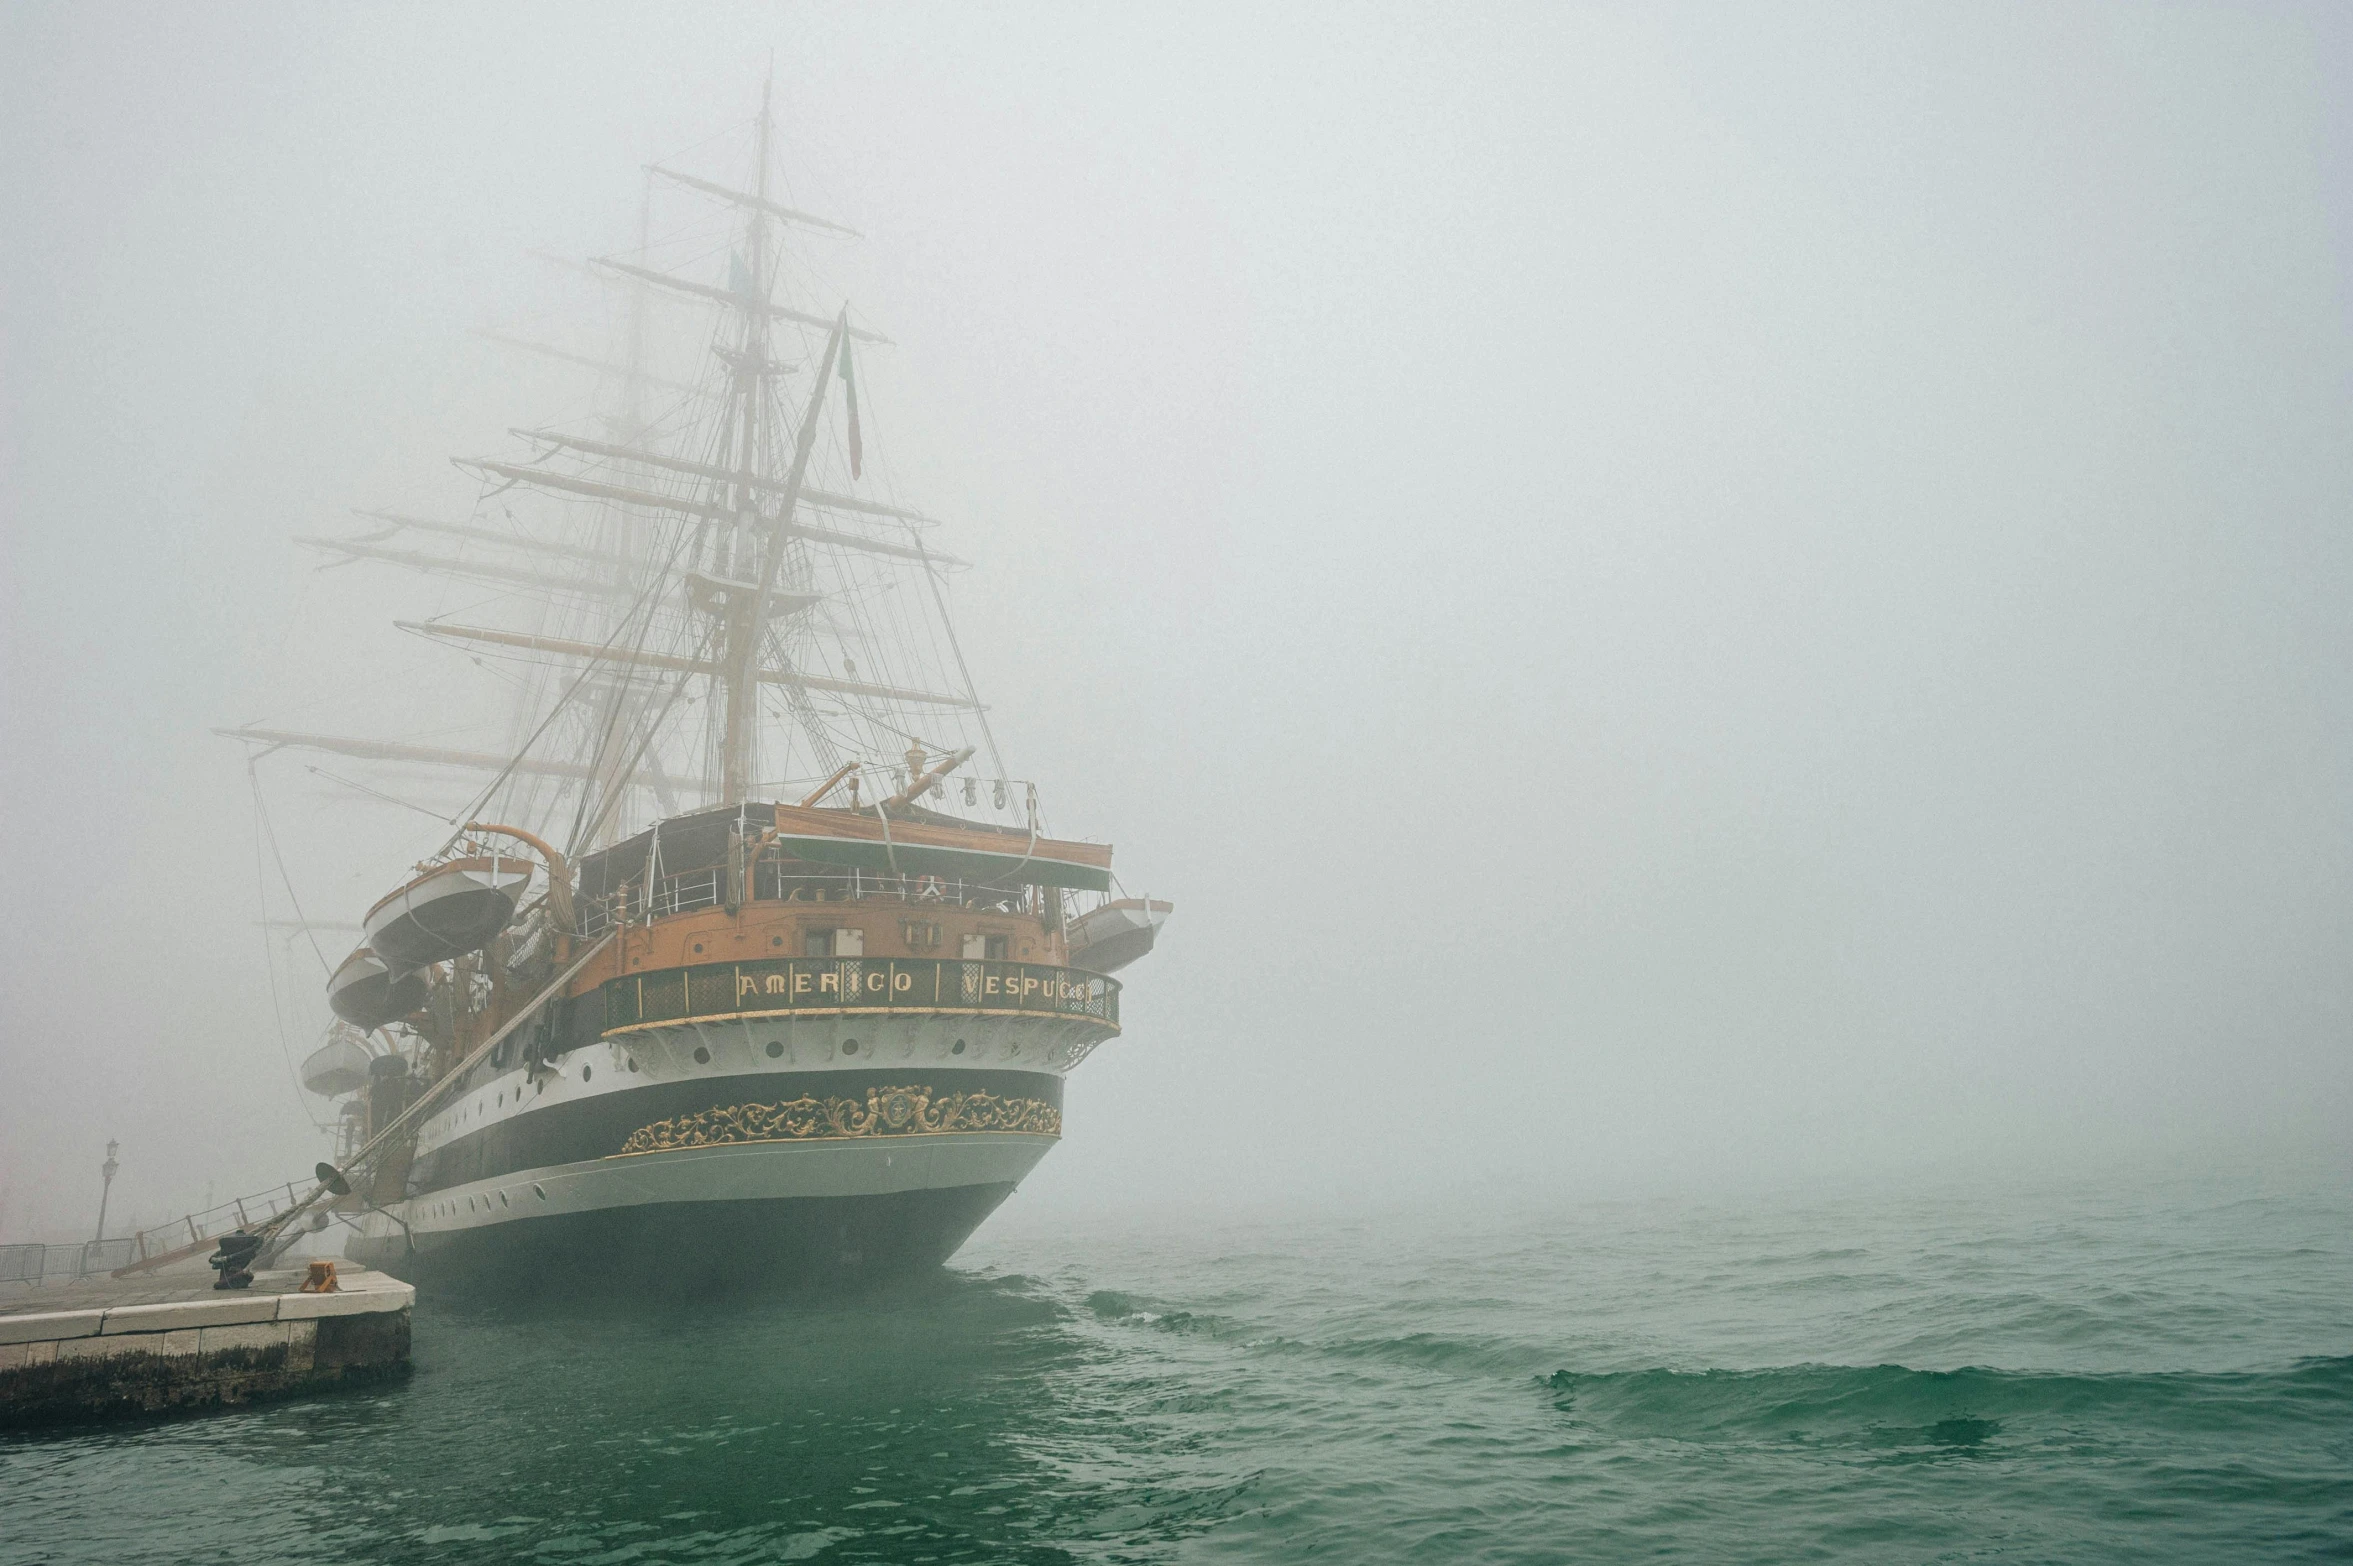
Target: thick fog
{"x": 1722, "y": 595}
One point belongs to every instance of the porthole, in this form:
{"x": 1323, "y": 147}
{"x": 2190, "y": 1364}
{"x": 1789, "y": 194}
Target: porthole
{"x": 538, "y": 1192}
{"x": 959, "y": 1049}
{"x": 585, "y": 1071}
{"x": 774, "y": 1049}
{"x": 702, "y": 1056}
{"x": 776, "y": 940}
{"x": 502, "y": 1200}
{"x": 633, "y": 1062}
{"x": 849, "y": 1046}
{"x": 698, "y": 946}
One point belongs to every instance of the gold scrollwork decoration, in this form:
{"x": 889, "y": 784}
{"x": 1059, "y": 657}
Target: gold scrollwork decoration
{"x": 888, "y": 1111}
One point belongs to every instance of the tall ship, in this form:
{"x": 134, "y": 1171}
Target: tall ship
{"x": 748, "y": 959}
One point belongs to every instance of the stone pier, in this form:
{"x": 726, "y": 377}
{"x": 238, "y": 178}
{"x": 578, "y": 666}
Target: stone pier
{"x": 169, "y": 1341}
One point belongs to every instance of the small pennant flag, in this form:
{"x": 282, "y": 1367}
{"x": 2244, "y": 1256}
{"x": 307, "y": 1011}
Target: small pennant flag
{"x": 739, "y": 276}
{"x": 857, "y": 447}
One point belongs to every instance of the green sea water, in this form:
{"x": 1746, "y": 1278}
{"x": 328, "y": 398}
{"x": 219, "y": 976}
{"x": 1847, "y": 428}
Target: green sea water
{"x": 2120, "y": 1374}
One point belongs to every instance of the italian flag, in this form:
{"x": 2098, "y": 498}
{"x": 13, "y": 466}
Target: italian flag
{"x": 857, "y": 447}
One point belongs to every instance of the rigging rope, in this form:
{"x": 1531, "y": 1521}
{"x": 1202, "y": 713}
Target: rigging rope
{"x": 643, "y": 601}
{"x": 261, "y": 882}
{"x": 376, "y": 793}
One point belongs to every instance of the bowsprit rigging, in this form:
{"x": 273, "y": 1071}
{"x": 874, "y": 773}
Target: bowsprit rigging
{"x": 657, "y": 1007}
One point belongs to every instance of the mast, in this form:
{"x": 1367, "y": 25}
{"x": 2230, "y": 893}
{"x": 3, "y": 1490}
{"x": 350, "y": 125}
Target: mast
{"x": 622, "y": 695}
{"x": 739, "y": 740}
{"x": 728, "y": 612}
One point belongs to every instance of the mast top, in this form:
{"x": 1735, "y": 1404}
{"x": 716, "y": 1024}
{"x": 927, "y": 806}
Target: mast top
{"x": 707, "y": 558}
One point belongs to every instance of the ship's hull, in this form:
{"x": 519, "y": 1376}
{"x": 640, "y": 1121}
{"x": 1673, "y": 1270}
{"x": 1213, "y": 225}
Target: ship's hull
{"x": 701, "y": 1240}
{"x": 637, "y": 1165}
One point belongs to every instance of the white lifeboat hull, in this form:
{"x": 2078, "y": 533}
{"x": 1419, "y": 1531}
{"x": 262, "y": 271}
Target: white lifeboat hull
{"x": 336, "y": 1067}
{"x": 450, "y": 910}
{"x": 1116, "y": 934}
{"x": 366, "y": 992}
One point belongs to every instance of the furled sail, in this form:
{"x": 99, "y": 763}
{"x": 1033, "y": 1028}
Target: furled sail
{"x": 471, "y": 570}
{"x": 746, "y": 199}
{"x": 819, "y": 498}
{"x": 654, "y": 500}
{"x": 730, "y": 297}
{"x": 550, "y": 351}
{"x": 660, "y": 660}
{"x": 440, "y": 756}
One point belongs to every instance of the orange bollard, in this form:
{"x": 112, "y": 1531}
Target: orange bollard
{"x": 320, "y": 1281}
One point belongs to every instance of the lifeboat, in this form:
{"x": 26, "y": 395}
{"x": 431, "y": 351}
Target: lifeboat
{"x": 366, "y": 993}
{"x": 338, "y": 1066}
{"x": 452, "y": 909}
{"x": 1116, "y": 934}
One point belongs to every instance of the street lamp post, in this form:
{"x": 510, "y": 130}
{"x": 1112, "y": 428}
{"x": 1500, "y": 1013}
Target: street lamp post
{"x": 107, "y": 1169}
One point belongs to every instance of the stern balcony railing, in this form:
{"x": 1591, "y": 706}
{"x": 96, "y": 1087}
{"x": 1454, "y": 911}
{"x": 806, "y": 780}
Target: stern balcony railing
{"x": 772, "y": 881}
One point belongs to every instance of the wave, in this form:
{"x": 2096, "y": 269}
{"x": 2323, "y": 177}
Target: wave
{"x": 1951, "y": 1408}
{"x": 1872, "y": 1405}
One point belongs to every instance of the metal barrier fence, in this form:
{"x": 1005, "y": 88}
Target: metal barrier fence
{"x": 38, "y": 1263}
{"x": 776, "y": 879}
{"x": 239, "y": 1212}
{"x": 52, "y": 1263}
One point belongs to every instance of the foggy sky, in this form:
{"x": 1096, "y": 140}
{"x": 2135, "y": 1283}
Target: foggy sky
{"x": 1702, "y": 594}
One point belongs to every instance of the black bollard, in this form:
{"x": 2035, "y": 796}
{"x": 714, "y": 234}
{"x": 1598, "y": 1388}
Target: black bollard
{"x": 234, "y": 1259}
